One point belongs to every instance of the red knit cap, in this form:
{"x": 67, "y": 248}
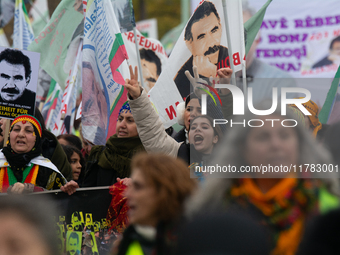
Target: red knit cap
{"x": 29, "y": 118}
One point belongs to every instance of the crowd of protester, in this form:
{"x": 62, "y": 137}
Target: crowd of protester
{"x": 172, "y": 207}
{"x": 176, "y": 201}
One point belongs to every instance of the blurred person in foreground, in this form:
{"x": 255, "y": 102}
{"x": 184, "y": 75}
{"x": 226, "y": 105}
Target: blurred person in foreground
{"x": 221, "y": 233}
{"x": 26, "y": 223}
{"x": 283, "y": 201}
{"x": 23, "y": 169}
{"x": 156, "y": 194}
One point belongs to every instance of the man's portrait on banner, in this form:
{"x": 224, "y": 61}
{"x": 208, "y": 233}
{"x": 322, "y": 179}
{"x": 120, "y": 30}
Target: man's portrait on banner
{"x": 203, "y": 38}
{"x": 73, "y": 245}
{"x": 15, "y": 75}
{"x": 151, "y": 67}
{"x": 18, "y": 81}
{"x": 334, "y": 54}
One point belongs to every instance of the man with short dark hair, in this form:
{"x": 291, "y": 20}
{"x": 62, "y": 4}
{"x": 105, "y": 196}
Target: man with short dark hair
{"x": 15, "y": 75}
{"x": 203, "y": 38}
{"x": 151, "y": 67}
{"x": 73, "y": 244}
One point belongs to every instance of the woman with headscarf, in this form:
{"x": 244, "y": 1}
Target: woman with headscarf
{"x": 107, "y": 163}
{"x": 283, "y": 200}
{"x": 22, "y": 168}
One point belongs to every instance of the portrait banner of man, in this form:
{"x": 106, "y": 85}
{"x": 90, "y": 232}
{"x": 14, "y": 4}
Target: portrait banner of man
{"x": 152, "y": 54}
{"x": 73, "y": 242}
{"x": 18, "y": 82}
{"x": 89, "y": 223}
{"x": 78, "y": 221}
{"x": 202, "y": 43}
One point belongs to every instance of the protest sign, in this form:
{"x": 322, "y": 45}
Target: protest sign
{"x": 59, "y": 40}
{"x": 18, "y": 82}
{"x": 285, "y": 38}
{"x": 153, "y": 57}
{"x": 103, "y": 54}
{"x": 84, "y": 214}
{"x": 203, "y": 43}
{"x": 298, "y": 41}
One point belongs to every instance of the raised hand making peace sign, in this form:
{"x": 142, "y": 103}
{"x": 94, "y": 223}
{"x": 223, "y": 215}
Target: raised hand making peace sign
{"x": 132, "y": 84}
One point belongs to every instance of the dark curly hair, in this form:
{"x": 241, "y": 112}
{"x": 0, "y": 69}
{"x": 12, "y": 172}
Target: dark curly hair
{"x": 16, "y": 57}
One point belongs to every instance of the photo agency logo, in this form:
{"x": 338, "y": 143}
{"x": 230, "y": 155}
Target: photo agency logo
{"x": 239, "y": 105}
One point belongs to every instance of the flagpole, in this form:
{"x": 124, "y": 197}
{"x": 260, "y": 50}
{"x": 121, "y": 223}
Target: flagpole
{"x": 230, "y": 51}
{"x": 244, "y": 66}
{"x": 138, "y": 57}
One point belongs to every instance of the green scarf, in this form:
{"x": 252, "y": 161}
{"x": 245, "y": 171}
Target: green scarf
{"x": 118, "y": 153}
{"x": 11, "y": 177}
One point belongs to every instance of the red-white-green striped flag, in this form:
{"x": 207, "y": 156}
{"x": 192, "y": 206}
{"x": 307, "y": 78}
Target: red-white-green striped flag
{"x": 117, "y": 55}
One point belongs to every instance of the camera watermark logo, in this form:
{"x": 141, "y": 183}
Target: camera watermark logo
{"x": 239, "y": 104}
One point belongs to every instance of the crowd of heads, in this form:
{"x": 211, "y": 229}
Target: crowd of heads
{"x": 175, "y": 192}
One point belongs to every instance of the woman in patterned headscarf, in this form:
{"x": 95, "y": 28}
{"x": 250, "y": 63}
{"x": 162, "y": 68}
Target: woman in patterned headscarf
{"x": 22, "y": 168}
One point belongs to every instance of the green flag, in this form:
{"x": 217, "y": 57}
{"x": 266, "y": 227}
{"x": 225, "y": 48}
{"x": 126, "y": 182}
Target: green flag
{"x": 253, "y": 25}
{"x": 328, "y": 105}
{"x": 58, "y": 42}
